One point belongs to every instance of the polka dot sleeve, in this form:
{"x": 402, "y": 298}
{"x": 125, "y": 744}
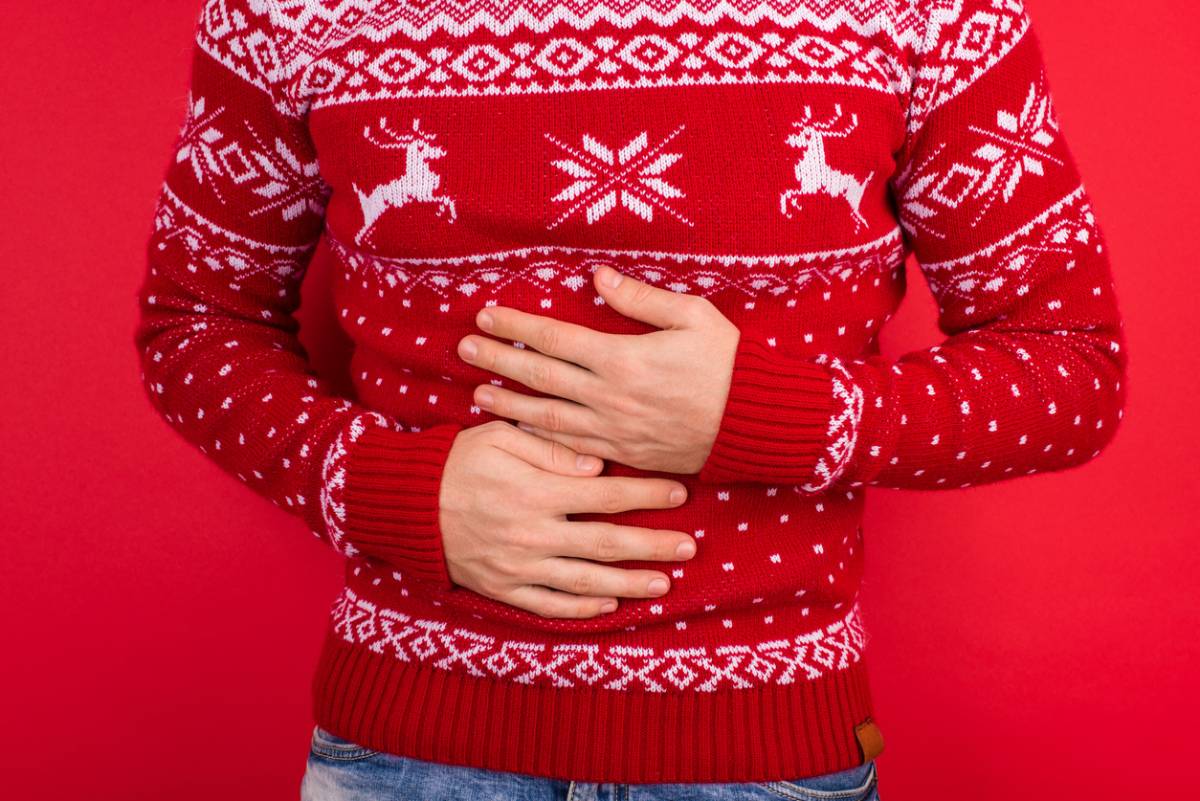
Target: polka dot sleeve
{"x": 237, "y": 220}
{"x": 1032, "y": 374}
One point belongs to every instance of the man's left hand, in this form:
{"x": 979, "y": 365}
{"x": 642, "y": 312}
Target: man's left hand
{"x": 652, "y": 401}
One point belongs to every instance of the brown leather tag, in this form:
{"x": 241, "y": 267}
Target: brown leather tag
{"x": 870, "y": 739}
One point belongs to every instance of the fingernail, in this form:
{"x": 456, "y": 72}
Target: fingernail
{"x": 584, "y": 462}
{"x": 678, "y": 495}
{"x": 485, "y": 321}
{"x": 686, "y": 550}
{"x": 525, "y": 426}
{"x": 608, "y": 606}
{"x": 614, "y": 277}
{"x": 468, "y": 349}
{"x": 658, "y": 586}
{"x": 486, "y": 397}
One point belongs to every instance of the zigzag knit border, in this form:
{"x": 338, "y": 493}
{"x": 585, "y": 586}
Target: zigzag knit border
{"x": 805, "y": 656}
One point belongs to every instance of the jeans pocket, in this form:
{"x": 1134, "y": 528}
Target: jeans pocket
{"x": 328, "y": 745}
{"x": 854, "y": 784}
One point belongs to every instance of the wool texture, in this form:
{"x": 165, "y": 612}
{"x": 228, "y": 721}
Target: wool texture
{"x": 781, "y": 158}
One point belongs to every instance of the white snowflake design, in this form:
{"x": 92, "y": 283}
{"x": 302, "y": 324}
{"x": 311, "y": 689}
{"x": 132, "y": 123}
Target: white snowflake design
{"x": 272, "y": 172}
{"x": 285, "y": 183}
{"x": 198, "y": 141}
{"x": 630, "y": 177}
{"x": 1017, "y": 146}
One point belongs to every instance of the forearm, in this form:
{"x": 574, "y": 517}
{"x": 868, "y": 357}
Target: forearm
{"x": 217, "y": 333}
{"x": 1031, "y": 376}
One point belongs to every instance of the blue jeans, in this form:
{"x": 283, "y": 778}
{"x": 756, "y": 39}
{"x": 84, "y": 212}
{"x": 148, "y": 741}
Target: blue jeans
{"x": 339, "y": 770}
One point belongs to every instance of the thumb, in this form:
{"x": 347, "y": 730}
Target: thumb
{"x": 641, "y": 301}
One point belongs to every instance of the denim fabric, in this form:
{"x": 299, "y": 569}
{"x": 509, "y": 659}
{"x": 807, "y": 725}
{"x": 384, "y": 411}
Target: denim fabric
{"x": 339, "y": 770}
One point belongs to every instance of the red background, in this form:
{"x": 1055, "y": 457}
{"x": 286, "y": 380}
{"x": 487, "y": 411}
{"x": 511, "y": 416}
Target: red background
{"x": 1033, "y": 639}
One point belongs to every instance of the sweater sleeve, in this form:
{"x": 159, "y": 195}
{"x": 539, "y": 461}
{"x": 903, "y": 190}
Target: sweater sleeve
{"x": 1031, "y": 375}
{"x": 238, "y": 217}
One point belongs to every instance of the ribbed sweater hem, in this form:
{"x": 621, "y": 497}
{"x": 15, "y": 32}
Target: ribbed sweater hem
{"x": 765, "y": 733}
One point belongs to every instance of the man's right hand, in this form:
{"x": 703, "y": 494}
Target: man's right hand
{"x": 504, "y": 497}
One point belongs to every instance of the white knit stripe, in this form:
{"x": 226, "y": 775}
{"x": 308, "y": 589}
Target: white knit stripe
{"x": 169, "y": 198}
{"x": 722, "y": 259}
{"x": 801, "y": 656}
{"x": 1060, "y": 206}
{"x": 698, "y": 275}
{"x": 317, "y": 26}
{"x": 551, "y": 86}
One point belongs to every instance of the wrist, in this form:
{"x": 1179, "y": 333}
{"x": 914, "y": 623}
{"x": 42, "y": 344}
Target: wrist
{"x": 381, "y": 495}
{"x": 785, "y": 419}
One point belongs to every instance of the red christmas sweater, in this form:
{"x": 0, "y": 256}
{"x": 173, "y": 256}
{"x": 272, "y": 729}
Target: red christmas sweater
{"x": 781, "y": 158}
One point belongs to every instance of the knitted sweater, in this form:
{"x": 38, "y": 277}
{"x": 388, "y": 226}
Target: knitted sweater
{"x": 780, "y": 158}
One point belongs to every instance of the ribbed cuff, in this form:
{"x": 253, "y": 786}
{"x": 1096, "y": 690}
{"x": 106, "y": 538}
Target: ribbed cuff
{"x": 776, "y": 421}
{"x": 391, "y": 498}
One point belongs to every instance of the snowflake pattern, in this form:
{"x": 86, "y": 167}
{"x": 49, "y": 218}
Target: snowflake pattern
{"x": 1058, "y": 234}
{"x": 273, "y": 173}
{"x": 198, "y": 143}
{"x": 1018, "y": 145}
{"x": 630, "y": 177}
{"x": 284, "y": 181}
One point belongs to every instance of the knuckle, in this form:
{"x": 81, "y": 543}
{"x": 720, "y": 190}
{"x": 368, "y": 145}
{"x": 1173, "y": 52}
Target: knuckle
{"x": 537, "y": 495}
{"x": 699, "y": 307}
{"x": 575, "y": 609}
{"x": 488, "y": 357}
{"x": 508, "y": 570}
{"x": 548, "y": 608}
{"x": 614, "y": 362}
{"x": 664, "y": 546}
{"x": 491, "y": 588}
{"x": 562, "y": 457}
{"x": 520, "y": 539}
{"x": 611, "y": 497}
{"x": 618, "y": 452}
{"x": 610, "y": 366}
{"x": 541, "y": 375}
{"x": 551, "y": 417}
{"x": 642, "y": 292}
{"x": 624, "y": 406}
{"x": 547, "y": 339}
{"x": 584, "y": 583}
{"x": 498, "y": 569}
{"x": 606, "y": 546}
{"x": 637, "y": 583}
{"x": 495, "y": 428}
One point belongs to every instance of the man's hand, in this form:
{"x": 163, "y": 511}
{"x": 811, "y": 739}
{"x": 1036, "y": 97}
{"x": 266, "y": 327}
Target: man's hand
{"x": 651, "y": 401}
{"x": 503, "y": 502}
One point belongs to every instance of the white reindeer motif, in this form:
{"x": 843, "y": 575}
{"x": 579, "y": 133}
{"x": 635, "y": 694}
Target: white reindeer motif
{"x": 418, "y": 183}
{"x": 814, "y": 173}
